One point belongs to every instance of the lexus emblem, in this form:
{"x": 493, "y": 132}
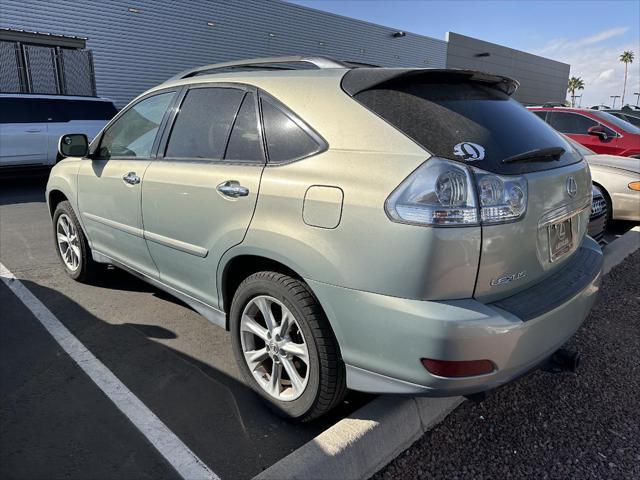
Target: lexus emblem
{"x": 572, "y": 187}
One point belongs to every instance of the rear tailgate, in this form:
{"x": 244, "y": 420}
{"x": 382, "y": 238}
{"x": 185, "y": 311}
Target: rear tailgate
{"x": 518, "y": 255}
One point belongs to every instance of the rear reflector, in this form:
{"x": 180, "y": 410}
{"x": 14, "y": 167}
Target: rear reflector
{"x": 444, "y": 368}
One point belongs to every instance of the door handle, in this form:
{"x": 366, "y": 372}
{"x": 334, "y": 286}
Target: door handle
{"x": 33, "y": 130}
{"x": 131, "y": 178}
{"x": 233, "y": 189}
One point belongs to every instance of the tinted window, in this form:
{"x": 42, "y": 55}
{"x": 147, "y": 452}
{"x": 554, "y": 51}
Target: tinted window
{"x": 540, "y": 114}
{"x": 444, "y": 115}
{"x": 83, "y": 110}
{"x": 133, "y": 134}
{"x": 622, "y": 123}
{"x": 566, "y": 122}
{"x": 285, "y": 139}
{"x": 245, "y": 140}
{"x": 202, "y": 127}
{"x": 39, "y": 110}
{"x": 25, "y": 110}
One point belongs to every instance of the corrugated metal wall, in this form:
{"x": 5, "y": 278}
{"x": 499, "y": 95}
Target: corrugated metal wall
{"x": 541, "y": 79}
{"x": 139, "y": 43}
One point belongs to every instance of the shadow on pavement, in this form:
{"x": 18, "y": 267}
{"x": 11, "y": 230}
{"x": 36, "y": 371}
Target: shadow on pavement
{"x": 214, "y": 414}
{"x": 23, "y": 189}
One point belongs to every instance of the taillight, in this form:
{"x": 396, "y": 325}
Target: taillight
{"x": 502, "y": 199}
{"x": 445, "y": 193}
{"x": 466, "y": 368}
{"x": 439, "y": 192}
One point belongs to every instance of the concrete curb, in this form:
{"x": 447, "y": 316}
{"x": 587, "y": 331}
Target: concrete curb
{"x": 620, "y": 249}
{"x": 358, "y": 446}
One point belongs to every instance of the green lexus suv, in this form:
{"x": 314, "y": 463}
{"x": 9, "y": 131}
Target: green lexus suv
{"x": 408, "y": 231}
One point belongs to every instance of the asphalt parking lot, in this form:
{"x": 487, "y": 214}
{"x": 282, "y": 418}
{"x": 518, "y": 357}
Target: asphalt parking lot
{"x": 584, "y": 425}
{"x": 56, "y": 423}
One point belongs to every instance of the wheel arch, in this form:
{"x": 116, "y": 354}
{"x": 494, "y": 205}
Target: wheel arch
{"x": 607, "y": 197}
{"x": 233, "y": 270}
{"x": 54, "y": 197}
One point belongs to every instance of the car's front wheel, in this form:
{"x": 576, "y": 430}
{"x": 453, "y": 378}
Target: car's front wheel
{"x": 71, "y": 244}
{"x": 285, "y": 347}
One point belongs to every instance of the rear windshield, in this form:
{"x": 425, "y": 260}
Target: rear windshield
{"x": 41, "y": 110}
{"x": 468, "y": 122}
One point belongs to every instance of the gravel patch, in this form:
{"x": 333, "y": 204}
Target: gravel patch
{"x": 584, "y": 425}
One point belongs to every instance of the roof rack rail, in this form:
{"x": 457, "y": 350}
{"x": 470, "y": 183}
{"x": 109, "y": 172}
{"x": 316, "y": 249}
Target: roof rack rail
{"x": 267, "y": 62}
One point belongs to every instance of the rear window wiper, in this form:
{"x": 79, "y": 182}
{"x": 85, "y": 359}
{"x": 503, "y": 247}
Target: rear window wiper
{"x": 540, "y": 154}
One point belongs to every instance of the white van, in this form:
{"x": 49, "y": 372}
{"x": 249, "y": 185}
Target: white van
{"x": 30, "y": 125}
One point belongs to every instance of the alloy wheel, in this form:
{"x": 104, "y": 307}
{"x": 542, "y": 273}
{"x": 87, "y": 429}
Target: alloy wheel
{"x": 68, "y": 242}
{"x": 274, "y": 348}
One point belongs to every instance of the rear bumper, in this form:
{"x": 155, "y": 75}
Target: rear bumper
{"x": 382, "y": 339}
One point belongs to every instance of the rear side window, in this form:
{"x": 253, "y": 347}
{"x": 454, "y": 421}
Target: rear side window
{"x": 40, "y": 110}
{"x": 203, "y": 125}
{"x": 67, "y": 110}
{"x": 466, "y": 121}
{"x": 26, "y": 110}
{"x": 286, "y": 139}
{"x": 245, "y": 142}
{"x": 132, "y": 135}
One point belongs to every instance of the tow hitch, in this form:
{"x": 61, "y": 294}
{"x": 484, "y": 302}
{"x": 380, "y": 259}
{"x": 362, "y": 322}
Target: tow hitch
{"x": 563, "y": 361}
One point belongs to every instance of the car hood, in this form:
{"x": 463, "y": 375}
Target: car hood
{"x": 611, "y": 161}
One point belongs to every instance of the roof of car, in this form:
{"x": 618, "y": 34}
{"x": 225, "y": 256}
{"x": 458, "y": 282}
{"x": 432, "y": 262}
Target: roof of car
{"x": 54, "y": 97}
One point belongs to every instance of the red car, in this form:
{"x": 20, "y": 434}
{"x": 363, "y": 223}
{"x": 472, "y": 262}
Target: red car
{"x": 599, "y": 131}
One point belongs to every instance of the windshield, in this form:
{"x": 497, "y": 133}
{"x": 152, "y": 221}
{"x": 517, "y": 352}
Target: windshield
{"x": 468, "y": 122}
{"x": 618, "y": 122}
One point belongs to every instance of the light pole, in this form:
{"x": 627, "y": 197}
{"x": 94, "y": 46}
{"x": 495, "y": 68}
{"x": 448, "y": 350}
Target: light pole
{"x": 613, "y": 107}
{"x": 580, "y": 102}
{"x": 637, "y": 94}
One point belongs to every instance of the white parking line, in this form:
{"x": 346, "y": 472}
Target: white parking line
{"x": 181, "y": 458}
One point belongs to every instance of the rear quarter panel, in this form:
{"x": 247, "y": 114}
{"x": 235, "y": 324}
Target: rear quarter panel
{"x": 367, "y": 159}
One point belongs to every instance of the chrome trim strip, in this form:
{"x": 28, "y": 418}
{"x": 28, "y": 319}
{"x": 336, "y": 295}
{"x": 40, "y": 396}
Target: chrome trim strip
{"x": 176, "y": 244}
{"x": 113, "y": 224}
{"x": 215, "y": 316}
{"x": 565, "y": 212}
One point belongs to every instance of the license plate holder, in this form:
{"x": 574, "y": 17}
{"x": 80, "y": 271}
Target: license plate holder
{"x": 560, "y": 239}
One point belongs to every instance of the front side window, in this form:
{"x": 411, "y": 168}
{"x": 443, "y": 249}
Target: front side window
{"x": 132, "y": 135}
{"x": 286, "y": 140}
{"x": 202, "y": 127}
{"x": 575, "y": 124}
{"x": 622, "y": 123}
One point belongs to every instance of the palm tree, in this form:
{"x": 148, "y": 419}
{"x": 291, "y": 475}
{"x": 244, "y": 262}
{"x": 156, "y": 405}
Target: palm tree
{"x": 575, "y": 83}
{"x": 626, "y": 58}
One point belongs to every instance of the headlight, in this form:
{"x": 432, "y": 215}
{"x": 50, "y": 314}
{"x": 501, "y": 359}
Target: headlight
{"x": 443, "y": 193}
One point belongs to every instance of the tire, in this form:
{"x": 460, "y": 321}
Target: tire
{"x": 85, "y": 267}
{"x": 324, "y": 380}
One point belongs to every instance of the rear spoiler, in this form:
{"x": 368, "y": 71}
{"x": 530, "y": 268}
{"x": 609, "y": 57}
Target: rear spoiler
{"x": 359, "y": 79}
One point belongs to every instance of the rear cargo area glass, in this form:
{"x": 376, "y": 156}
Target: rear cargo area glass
{"x": 441, "y": 115}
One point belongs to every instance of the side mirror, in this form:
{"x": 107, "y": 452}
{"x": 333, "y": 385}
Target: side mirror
{"x": 73, "y": 145}
{"x": 598, "y": 131}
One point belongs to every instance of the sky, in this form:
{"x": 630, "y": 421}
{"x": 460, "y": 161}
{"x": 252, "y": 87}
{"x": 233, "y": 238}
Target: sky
{"x": 588, "y": 35}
